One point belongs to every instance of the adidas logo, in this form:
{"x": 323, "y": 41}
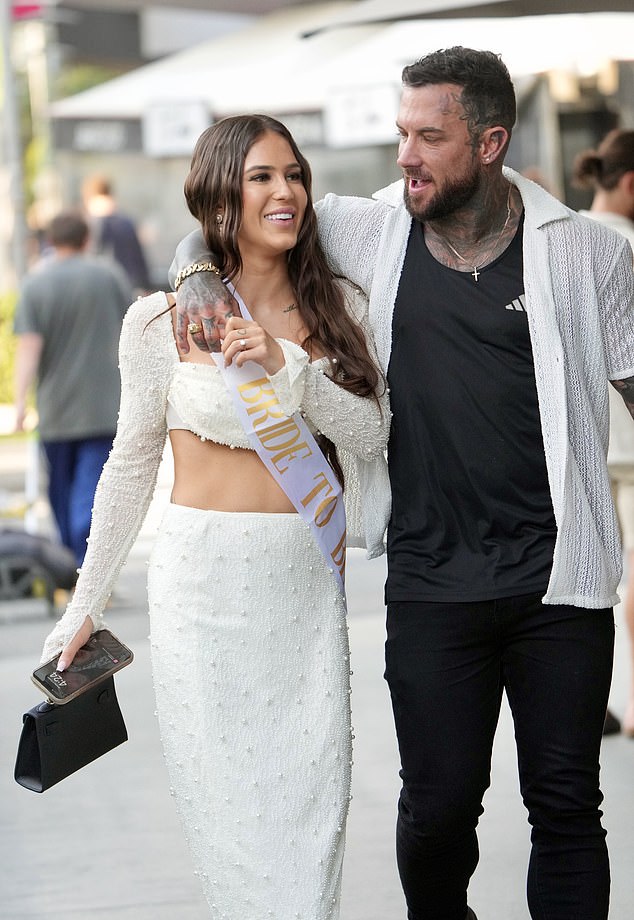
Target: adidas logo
{"x": 518, "y": 304}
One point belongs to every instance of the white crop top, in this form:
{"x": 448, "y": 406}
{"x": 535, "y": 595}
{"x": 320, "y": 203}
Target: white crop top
{"x": 199, "y": 401}
{"x": 153, "y": 378}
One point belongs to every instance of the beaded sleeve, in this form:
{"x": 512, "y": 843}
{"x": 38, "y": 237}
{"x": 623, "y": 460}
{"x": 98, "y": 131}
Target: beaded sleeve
{"x": 355, "y": 424}
{"x": 129, "y": 476}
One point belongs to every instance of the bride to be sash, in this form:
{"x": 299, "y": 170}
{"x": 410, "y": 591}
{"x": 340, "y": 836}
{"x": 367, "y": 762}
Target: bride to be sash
{"x": 291, "y": 454}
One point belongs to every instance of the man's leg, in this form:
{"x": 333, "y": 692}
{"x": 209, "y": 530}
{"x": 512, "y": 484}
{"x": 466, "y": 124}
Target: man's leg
{"x": 92, "y": 453}
{"x": 60, "y": 460}
{"x": 557, "y": 673}
{"x": 443, "y": 670}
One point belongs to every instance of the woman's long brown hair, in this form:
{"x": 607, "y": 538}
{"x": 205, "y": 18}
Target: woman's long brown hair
{"x": 214, "y": 185}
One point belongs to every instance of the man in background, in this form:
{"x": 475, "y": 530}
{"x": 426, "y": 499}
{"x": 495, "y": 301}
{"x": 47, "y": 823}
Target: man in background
{"x": 113, "y": 233}
{"x": 68, "y": 320}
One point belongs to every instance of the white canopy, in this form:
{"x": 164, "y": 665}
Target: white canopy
{"x": 367, "y": 11}
{"x": 269, "y": 67}
{"x": 266, "y": 66}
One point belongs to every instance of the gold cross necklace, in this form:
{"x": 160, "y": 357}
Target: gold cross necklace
{"x": 475, "y": 273}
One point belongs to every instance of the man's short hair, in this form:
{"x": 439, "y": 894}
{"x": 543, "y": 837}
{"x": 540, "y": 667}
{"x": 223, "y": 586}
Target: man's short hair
{"x": 68, "y": 229}
{"x": 488, "y": 96}
{"x": 96, "y": 185}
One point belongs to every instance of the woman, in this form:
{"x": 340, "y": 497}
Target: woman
{"x": 248, "y": 632}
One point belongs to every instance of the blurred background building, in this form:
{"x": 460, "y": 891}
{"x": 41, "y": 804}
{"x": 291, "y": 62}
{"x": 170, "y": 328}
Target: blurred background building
{"x": 125, "y": 88}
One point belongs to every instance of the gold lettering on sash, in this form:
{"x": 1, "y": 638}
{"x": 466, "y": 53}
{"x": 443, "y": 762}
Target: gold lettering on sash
{"x": 286, "y": 426}
{"x": 328, "y": 503}
{"x": 262, "y": 387}
{"x": 338, "y": 555}
{"x": 291, "y": 455}
{"x": 263, "y": 408}
{"x": 322, "y": 483}
{"x": 260, "y": 392}
{"x": 322, "y": 509}
{"x": 271, "y": 439}
{"x": 281, "y": 440}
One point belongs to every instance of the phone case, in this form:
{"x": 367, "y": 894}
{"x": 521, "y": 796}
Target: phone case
{"x": 101, "y": 657}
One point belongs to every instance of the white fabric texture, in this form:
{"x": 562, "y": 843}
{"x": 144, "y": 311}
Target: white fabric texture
{"x": 579, "y": 301}
{"x": 621, "y": 449}
{"x": 150, "y": 366}
{"x": 251, "y": 675}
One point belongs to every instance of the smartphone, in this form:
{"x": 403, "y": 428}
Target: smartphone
{"x": 100, "y": 657}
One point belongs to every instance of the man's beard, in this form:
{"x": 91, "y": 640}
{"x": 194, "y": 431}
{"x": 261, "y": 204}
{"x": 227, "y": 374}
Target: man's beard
{"x": 454, "y": 194}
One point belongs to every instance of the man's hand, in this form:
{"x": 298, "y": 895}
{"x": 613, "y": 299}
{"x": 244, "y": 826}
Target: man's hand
{"x": 204, "y": 301}
{"x": 626, "y": 388}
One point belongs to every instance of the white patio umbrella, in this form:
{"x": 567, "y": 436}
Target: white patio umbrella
{"x": 374, "y": 11}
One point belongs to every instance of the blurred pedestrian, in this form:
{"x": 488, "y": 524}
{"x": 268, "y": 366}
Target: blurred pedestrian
{"x": 68, "y": 320}
{"x": 113, "y": 233}
{"x": 609, "y": 172}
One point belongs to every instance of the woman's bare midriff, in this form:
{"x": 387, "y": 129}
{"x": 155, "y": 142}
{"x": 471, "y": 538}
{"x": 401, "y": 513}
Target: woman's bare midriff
{"x": 213, "y": 477}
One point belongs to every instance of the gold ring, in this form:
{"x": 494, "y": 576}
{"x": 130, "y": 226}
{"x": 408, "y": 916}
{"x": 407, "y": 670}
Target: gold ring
{"x": 243, "y": 342}
{"x": 241, "y": 331}
{"x": 194, "y": 328}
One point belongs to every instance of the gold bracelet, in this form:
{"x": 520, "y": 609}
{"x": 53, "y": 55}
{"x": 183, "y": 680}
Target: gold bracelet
{"x": 192, "y": 269}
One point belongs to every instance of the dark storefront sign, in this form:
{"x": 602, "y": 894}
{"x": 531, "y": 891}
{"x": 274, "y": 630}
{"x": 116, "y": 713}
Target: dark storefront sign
{"x": 98, "y": 135}
{"x": 125, "y": 135}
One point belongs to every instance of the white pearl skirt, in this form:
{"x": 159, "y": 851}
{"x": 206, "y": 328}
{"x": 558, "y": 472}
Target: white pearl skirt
{"x": 251, "y": 673}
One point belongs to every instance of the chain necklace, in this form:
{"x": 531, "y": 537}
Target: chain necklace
{"x": 475, "y": 273}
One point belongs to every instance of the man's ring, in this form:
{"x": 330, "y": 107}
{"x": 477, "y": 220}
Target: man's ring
{"x": 243, "y": 343}
{"x": 194, "y": 328}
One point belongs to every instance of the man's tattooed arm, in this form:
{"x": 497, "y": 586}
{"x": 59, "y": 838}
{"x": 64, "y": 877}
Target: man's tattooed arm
{"x": 626, "y": 389}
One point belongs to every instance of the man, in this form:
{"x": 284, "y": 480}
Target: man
{"x": 609, "y": 172}
{"x": 114, "y": 233}
{"x": 499, "y": 316}
{"x": 68, "y": 320}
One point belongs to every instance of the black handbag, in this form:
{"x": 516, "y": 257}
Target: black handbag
{"x": 59, "y": 740}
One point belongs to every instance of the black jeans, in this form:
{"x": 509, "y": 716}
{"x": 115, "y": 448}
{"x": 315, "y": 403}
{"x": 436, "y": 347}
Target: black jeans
{"x": 446, "y": 666}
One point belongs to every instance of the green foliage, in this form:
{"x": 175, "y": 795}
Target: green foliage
{"x": 76, "y": 79}
{"x": 7, "y": 346}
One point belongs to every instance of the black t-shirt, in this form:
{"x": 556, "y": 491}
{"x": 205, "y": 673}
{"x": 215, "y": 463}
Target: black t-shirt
{"x": 472, "y": 516}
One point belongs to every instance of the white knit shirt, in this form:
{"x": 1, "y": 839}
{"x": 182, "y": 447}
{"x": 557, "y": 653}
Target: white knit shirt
{"x": 579, "y": 300}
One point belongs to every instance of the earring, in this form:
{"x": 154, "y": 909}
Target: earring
{"x": 218, "y": 218}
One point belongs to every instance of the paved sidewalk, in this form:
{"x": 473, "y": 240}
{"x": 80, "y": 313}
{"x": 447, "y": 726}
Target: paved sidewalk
{"x": 106, "y": 844}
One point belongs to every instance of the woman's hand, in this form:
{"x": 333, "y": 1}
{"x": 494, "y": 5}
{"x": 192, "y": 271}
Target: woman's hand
{"x": 246, "y": 340}
{"x": 80, "y": 638}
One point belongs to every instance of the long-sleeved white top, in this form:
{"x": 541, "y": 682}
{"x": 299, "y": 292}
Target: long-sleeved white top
{"x": 152, "y": 375}
{"x": 579, "y": 300}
